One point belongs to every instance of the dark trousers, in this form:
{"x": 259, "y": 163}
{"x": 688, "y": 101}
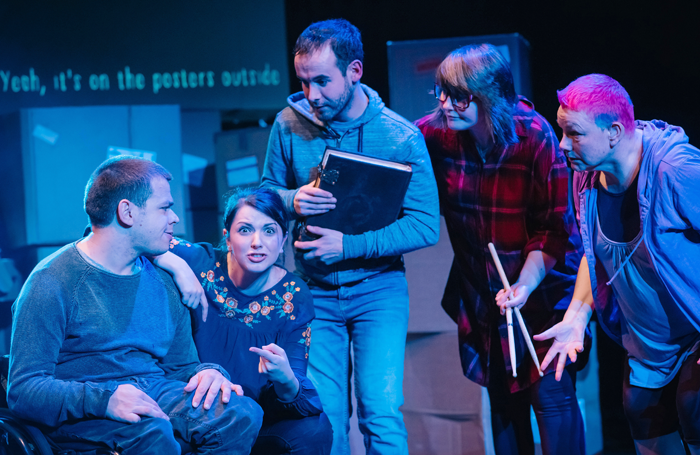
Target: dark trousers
{"x": 308, "y": 436}
{"x": 556, "y": 409}
{"x": 652, "y": 413}
{"x": 223, "y": 429}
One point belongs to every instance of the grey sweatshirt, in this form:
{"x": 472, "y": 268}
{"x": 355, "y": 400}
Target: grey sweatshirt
{"x": 297, "y": 142}
{"x": 78, "y": 331}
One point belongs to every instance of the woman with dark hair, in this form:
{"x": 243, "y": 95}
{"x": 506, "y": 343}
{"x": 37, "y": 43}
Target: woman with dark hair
{"x": 502, "y": 179}
{"x": 258, "y": 322}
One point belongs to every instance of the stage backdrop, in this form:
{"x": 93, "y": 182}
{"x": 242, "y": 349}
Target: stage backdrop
{"x": 213, "y": 55}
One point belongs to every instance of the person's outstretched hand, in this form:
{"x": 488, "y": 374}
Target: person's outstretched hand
{"x": 568, "y": 341}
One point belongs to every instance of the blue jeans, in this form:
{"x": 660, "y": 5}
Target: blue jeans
{"x": 556, "y": 409}
{"x": 308, "y": 436}
{"x": 373, "y": 315}
{"x": 223, "y": 429}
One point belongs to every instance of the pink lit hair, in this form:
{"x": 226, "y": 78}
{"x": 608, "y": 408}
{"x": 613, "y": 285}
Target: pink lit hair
{"x": 601, "y": 97}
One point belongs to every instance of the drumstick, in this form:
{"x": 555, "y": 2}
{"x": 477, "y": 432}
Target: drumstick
{"x": 509, "y": 311}
{"x": 528, "y": 341}
{"x": 518, "y": 316}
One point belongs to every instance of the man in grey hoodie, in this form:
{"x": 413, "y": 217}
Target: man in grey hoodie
{"x": 358, "y": 281}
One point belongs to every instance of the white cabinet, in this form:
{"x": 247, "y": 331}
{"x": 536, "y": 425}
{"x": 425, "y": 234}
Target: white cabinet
{"x": 48, "y": 154}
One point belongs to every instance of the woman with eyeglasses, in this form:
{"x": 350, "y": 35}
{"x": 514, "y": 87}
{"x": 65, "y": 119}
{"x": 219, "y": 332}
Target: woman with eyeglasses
{"x": 502, "y": 179}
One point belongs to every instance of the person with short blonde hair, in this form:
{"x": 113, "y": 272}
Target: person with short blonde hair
{"x": 636, "y": 187}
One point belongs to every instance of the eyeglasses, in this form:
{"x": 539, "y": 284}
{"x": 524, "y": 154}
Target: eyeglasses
{"x": 460, "y": 104}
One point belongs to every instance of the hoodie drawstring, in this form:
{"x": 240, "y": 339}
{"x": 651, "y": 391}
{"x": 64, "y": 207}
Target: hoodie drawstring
{"x": 624, "y": 263}
{"x": 359, "y": 139}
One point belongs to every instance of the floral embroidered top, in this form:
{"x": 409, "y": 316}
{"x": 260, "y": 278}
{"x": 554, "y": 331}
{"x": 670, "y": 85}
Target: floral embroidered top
{"x": 280, "y": 315}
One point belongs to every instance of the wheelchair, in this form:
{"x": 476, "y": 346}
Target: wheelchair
{"x": 19, "y": 437}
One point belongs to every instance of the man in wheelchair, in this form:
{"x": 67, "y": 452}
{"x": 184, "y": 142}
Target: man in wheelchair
{"x": 102, "y": 350}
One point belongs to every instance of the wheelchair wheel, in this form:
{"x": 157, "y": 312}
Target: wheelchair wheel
{"x": 17, "y": 438}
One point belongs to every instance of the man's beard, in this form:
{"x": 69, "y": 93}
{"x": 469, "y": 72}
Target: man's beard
{"x": 337, "y": 106}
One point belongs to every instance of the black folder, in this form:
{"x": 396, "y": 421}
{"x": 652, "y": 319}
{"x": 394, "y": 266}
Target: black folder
{"x": 369, "y": 191}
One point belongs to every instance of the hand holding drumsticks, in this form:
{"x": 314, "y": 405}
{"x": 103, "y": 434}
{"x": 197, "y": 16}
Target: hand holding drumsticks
{"x": 507, "y": 293}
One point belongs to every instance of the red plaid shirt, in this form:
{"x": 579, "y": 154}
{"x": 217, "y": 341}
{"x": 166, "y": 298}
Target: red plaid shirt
{"x": 517, "y": 198}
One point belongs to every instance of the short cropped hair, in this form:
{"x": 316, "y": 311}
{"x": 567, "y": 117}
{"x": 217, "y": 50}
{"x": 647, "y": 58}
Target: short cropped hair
{"x": 344, "y": 38}
{"x": 601, "y": 97}
{"x": 265, "y": 200}
{"x": 480, "y": 70}
{"x": 120, "y": 177}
